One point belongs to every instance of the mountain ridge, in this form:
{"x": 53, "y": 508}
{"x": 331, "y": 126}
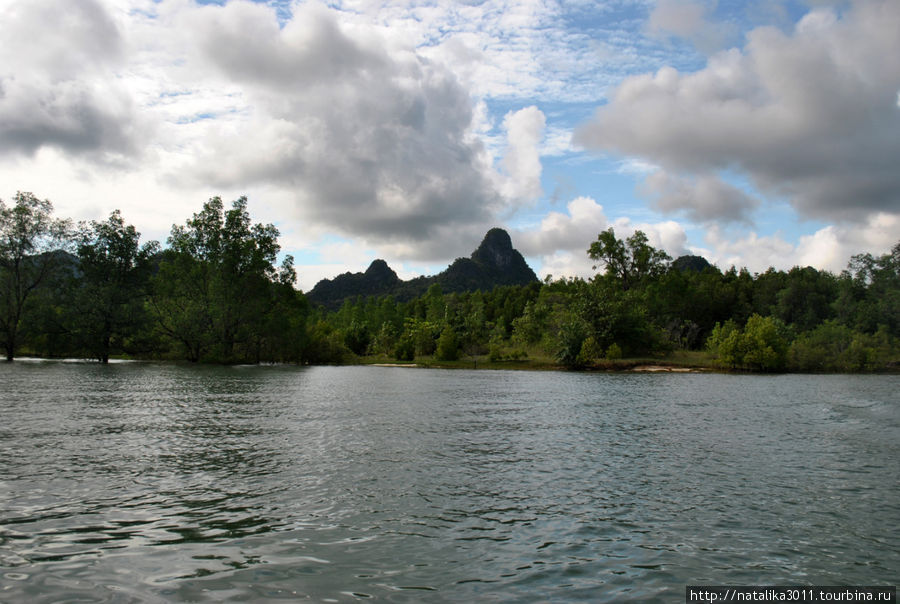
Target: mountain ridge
{"x": 494, "y": 262}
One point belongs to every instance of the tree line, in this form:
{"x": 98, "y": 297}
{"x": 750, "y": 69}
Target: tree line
{"x": 215, "y": 293}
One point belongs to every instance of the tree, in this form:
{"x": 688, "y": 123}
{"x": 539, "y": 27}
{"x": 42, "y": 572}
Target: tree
{"x": 447, "y": 347}
{"x": 570, "y": 340}
{"x": 766, "y": 343}
{"x": 29, "y": 241}
{"x": 630, "y": 261}
{"x": 876, "y": 282}
{"x": 114, "y": 276}
{"x": 214, "y": 287}
{"x": 807, "y": 298}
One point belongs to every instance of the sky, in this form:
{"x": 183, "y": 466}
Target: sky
{"x": 755, "y": 134}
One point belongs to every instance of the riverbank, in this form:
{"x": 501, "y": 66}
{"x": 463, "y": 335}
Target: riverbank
{"x": 680, "y": 362}
{"x": 676, "y": 362}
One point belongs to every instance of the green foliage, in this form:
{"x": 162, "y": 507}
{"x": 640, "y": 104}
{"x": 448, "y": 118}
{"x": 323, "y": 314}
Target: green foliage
{"x": 871, "y": 292}
{"x": 835, "y": 347}
{"x": 216, "y": 294}
{"x": 29, "y": 240}
{"x": 614, "y": 352}
{"x": 767, "y": 342}
{"x": 447, "y": 346}
{"x": 569, "y": 342}
{"x": 357, "y": 337}
{"x": 406, "y": 348}
{"x": 384, "y": 340}
{"x": 590, "y": 351}
{"x": 110, "y": 294}
{"x": 326, "y": 346}
{"x": 761, "y": 345}
{"x": 628, "y": 262}
{"x": 215, "y": 288}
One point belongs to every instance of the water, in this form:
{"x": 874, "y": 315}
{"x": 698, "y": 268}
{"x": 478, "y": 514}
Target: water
{"x": 157, "y": 483}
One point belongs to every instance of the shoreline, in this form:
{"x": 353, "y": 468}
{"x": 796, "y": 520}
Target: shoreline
{"x": 619, "y": 366}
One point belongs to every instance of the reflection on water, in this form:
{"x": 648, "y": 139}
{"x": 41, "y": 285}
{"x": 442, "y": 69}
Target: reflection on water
{"x": 142, "y": 482}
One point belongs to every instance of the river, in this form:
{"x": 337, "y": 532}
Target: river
{"x": 142, "y": 482}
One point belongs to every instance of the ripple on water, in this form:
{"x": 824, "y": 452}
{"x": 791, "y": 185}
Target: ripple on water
{"x": 153, "y": 483}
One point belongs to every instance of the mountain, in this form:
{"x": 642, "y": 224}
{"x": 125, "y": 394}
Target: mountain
{"x": 495, "y": 262}
{"x": 379, "y": 279}
{"x": 697, "y": 264}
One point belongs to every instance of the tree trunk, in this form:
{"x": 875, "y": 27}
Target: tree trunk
{"x": 10, "y": 345}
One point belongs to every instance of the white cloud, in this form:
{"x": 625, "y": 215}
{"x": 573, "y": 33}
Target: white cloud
{"x": 561, "y": 239}
{"x": 751, "y": 251}
{"x": 384, "y": 122}
{"x": 544, "y": 50}
{"x": 522, "y": 162}
{"x": 830, "y": 248}
{"x": 568, "y": 231}
{"x": 810, "y": 115}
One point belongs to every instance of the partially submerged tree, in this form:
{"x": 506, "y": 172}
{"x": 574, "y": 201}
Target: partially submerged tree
{"x": 110, "y": 292}
{"x": 29, "y": 240}
{"x": 214, "y": 288}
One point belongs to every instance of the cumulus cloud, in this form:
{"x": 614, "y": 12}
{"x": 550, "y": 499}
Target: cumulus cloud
{"x": 703, "y": 198}
{"x": 522, "y": 161}
{"x": 829, "y": 248}
{"x": 571, "y": 230}
{"x": 810, "y": 115}
{"x": 561, "y": 239}
{"x": 57, "y": 80}
{"x": 373, "y": 139}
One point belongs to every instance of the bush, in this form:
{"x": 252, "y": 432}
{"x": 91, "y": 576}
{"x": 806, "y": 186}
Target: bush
{"x": 762, "y": 344}
{"x": 590, "y": 351}
{"x": 835, "y": 347}
{"x": 447, "y": 345}
{"x": 570, "y": 339}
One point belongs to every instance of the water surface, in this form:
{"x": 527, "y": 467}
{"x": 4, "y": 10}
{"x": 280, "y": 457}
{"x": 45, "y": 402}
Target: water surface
{"x": 152, "y": 483}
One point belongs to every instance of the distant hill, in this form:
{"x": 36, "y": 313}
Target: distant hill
{"x": 697, "y": 264}
{"x": 495, "y": 262}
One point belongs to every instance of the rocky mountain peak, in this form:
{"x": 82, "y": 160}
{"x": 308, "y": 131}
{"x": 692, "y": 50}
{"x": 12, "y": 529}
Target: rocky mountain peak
{"x": 494, "y": 263}
{"x": 496, "y": 249}
{"x": 380, "y": 271}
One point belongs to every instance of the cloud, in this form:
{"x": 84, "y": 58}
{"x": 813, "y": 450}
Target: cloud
{"x": 58, "y": 85}
{"x": 704, "y": 198}
{"x": 522, "y": 161}
{"x": 374, "y": 140}
{"x": 810, "y": 116}
{"x": 572, "y": 230}
{"x": 829, "y": 248}
{"x": 688, "y": 19}
{"x": 561, "y": 239}
{"x": 543, "y": 50}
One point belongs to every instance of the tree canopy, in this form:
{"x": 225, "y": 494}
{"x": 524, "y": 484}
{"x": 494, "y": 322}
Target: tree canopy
{"x": 216, "y": 293}
{"x": 29, "y": 238}
{"x": 630, "y": 261}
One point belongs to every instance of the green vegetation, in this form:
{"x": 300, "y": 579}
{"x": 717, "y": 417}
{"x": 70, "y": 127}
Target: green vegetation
{"x": 215, "y": 294}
